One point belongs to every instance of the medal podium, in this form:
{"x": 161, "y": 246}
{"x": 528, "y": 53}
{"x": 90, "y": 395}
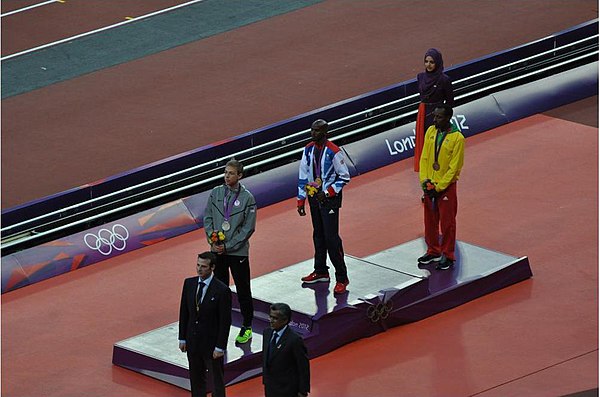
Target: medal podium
{"x": 386, "y": 289}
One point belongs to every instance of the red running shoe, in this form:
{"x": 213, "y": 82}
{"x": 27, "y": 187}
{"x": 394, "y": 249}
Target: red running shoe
{"x": 340, "y": 288}
{"x": 315, "y": 278}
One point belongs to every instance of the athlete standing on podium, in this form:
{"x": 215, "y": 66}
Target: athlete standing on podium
{"x": 229, "y": 221}
{"x": 441, "y": 162}
{"x": 322, "y": 176}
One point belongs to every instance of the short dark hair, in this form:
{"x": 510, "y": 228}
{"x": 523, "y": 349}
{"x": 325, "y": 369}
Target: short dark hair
{"x": 447, "y": 109}
{"x": 235, "y": 164}
{"x": 320, "y": 124}
{"x": 212, "y": 258}
{"x": 284, "y": 309}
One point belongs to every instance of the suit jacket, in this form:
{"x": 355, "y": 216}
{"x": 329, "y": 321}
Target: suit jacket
{"x": 207, "y": 328}
{"x": 286, "y": 370}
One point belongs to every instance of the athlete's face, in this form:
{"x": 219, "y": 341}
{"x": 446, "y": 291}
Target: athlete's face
{"x": 440, "y": 119}
{"x": 318, "y": 133}
{"x": 231, "y": 176}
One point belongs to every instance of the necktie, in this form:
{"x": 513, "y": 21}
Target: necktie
{"x": 273, "y": 344}
{"x": 199, "y": 294}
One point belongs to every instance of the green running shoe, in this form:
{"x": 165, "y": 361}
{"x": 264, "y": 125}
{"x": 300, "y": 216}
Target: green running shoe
{"x": 244, "y": 336}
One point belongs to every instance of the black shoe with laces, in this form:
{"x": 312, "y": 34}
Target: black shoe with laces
{"x": 445, "y": 264}
{"x": 428, "y": 258}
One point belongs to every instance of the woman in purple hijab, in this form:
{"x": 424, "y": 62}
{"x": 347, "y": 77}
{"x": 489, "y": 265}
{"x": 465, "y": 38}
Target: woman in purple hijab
{"x": 435, "y": 88}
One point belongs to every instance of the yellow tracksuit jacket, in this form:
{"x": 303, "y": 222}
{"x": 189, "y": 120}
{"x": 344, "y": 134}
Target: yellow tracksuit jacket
{"x": 450, "y": 159}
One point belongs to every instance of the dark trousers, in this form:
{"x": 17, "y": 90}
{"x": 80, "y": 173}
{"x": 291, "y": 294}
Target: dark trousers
{"x": 199, "y": 367}
{"x": 442, "y": 215}
{"x": 240, "y": 270}
{"x": 327, "y": 241}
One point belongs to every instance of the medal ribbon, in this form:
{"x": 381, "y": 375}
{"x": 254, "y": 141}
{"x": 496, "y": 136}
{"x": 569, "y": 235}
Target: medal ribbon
{"x": 438, "y": 144}
{"x": 228, "y": 204}
{"x": 317, "y": 162}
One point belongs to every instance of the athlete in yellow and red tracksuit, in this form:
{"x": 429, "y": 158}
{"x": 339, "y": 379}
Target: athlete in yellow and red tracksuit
{"x": 441, "y": 162}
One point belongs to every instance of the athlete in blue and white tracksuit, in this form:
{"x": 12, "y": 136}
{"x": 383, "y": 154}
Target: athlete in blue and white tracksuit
{"x": 323, "y": 166}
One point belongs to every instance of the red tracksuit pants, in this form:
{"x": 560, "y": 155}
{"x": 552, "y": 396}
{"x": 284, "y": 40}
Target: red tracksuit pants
{"x": 441, "y": 215}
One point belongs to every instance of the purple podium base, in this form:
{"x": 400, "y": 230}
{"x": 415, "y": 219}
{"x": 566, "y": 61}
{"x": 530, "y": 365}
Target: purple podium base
{"x": 386, "y": 290}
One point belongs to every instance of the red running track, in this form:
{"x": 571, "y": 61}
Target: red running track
{"x": 527, "y": 188}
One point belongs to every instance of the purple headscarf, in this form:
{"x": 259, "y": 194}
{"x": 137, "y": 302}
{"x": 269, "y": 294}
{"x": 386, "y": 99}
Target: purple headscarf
{"x": 431, "y": 78}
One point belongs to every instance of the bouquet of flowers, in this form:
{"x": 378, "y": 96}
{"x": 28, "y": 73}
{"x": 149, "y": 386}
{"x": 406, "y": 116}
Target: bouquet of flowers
{"x": 429, "y": 188}
{"x": 217, "y": 237}
{"x": 313, "y": 188}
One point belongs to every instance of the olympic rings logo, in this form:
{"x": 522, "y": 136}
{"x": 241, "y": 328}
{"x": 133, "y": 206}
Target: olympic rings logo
{"x": 106, "y": 240}
{"x": 380, "y": 311}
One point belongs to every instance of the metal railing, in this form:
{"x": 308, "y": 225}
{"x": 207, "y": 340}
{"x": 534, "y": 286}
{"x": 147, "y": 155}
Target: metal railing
{"x": 269, "y": 155}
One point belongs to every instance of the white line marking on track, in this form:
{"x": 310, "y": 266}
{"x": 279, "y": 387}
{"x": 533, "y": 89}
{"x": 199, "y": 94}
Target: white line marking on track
{"x": 99, "y": 30}
{"x": 28, "y": 8}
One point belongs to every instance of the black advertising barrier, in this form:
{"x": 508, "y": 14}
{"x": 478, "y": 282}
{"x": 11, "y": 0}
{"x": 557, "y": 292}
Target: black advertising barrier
{"x": 282, "y": 129}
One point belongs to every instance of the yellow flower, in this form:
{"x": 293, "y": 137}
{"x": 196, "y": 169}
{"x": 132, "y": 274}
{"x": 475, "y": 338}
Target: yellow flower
{"x": 311, "y": 190}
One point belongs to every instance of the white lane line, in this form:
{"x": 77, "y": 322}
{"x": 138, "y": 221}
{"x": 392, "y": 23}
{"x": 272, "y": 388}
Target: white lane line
{"x": 99, "y": 30}
{"x": 27, "y": 8}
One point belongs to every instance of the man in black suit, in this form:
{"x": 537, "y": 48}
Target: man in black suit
{"x": 286, "y": 370}
{"x": 204, "y": 322}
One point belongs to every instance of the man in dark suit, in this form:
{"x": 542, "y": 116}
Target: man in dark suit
{"x": 286, "y": 370}
{"x": 204, "y": 322}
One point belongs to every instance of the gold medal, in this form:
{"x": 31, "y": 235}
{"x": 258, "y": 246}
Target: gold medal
{"x": 319, "y": 182}
{"x": 436, "y": 166}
